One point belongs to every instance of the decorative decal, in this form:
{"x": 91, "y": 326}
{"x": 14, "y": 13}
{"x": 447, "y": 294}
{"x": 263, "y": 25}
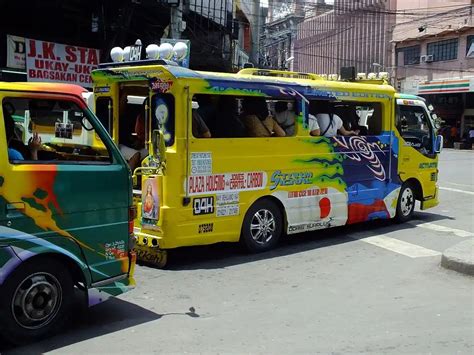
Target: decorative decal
{"x": 310, "y": 226}
{"x": 101, "y": 89}
{"x": 115, "y": 250}
{"x": 201, "y": 184}
{"x": 63, "y": 130}
{"x": 206, "y": 228}
{"x": 201, "y": 163}
{"x": 161, "y": 86}
{"x": 150, "y": 203}
{"x": 227, "y": 210}
{"x": 278, "y": 178}
{"x": 428, "y": 165}
{"x": 357, "y": 148}
{"x": 325, "y": 207}
{"x": 227, "y": 198}
{"x": 307, "y": 193}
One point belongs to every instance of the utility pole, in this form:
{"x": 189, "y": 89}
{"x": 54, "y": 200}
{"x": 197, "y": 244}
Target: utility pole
{"x": 255, "y": 24}
{"x": 176, "y": 20}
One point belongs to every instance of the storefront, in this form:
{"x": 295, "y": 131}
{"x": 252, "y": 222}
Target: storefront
{"x": 36, "y": 60}
{"x": 453, "y": 100}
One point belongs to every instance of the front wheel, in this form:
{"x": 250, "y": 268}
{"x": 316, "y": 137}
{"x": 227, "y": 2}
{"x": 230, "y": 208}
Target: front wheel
{"x": 405, "y": 204}
{"x": 262, "y": 226}
{"x": 35, "y": 300}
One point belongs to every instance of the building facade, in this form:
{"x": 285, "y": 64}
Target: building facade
{"x": 247, "y": 29}
{"x": 279, "y": 34}
{"x": 210, "y": 25}
{"x": 354, "y": 33}
{"x": 434, "y": 58}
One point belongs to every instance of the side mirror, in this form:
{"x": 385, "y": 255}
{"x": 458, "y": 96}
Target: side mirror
{"x": 439, "y": 143}
{"x": 438, "y": 122}
{"x": 158, "y": 145}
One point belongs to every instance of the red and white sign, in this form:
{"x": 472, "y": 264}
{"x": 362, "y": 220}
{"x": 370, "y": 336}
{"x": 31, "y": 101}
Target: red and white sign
{"x": 61, "y": 63}
{"x": 215, "y": 183}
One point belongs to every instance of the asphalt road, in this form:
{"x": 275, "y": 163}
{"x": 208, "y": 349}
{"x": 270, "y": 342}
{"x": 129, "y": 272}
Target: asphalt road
{"x": 373, "y": 288}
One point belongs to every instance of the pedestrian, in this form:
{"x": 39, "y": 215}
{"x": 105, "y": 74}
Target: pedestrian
{"x": 453, "y": 134}
{"x": 471, "y": 135}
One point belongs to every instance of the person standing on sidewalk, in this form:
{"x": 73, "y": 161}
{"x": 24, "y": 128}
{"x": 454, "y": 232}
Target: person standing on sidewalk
{"x": 471, "y": 135}
{"x": 453, "y": 134}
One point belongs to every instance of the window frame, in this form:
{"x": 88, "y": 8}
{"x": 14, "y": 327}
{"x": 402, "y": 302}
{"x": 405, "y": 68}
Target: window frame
{"x": 297, "y": 109}
{"x": 431, "y": 133}
{"x": 110, "y": 120}
{"x": 469, "y": 43}
{"x": 440, "y": 49}
{"x": 88, "y": 114}
{"x": 376, "y": 106}
{"x": 416, "y": 49}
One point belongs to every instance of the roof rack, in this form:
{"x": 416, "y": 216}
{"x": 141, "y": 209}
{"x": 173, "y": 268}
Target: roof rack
{"x": 136, "y": 63}
{"x": 278, "y": 73}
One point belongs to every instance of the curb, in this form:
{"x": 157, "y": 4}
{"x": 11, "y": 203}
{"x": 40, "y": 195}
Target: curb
{"x": 460, "y": 257}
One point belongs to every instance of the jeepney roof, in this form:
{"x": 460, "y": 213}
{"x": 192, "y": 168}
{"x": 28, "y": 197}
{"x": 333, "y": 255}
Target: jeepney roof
{"x": 400, "y": 95}
{"x": 56, "y": 88}
{"x": 142, "y": 72}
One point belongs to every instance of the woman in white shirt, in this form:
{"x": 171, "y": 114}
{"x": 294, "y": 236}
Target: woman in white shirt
{"x": 329, "y": 124}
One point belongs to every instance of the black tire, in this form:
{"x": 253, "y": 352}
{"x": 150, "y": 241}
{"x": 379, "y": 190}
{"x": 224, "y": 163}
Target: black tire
{"x": 35, "y": 301}
{"x": 271, "y": 217}
{"x": 405, "y": 204}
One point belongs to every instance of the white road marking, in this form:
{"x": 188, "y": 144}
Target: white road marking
{"x": 438, "y": 228}
{"x": 456, "y": 190}
{"x": 456, "y": 184}
{"x": 399, "y": 246}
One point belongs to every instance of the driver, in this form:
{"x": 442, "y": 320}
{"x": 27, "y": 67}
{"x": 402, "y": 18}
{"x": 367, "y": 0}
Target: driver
{"x": 16, "y": 148}
{"x": 132, "y": 147}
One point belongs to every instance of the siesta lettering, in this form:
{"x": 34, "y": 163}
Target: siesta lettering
{"x": 301, "y": 178}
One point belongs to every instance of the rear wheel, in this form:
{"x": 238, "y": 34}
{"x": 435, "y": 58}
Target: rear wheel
{"x": 262, "y": 226}
{"x": 35, "y": 301}
{"x": 405, "y": 204}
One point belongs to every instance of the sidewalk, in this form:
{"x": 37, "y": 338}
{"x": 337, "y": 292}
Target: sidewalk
{"x": 458, "y": 150}
{"x": 460, "y": 257}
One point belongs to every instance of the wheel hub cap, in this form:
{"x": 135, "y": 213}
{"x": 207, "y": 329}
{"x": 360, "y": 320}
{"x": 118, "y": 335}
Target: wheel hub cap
{"x": 407, "y": 202}
{"x": 262, "y": 226}
{"x": 36, "y": 300}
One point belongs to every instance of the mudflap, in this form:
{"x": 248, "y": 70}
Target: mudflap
{"x": 151, "y": 255}
{"x": 432, "y": 202}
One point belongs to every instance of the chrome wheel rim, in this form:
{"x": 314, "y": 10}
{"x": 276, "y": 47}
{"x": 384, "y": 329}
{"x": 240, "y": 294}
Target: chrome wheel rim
{"x": 407, "y": 202}
{"x": 262, "y": 226}
{"x": 36, "y": 300}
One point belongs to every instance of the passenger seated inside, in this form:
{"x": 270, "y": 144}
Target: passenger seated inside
{"x": 362, "y": 116}
{"x": 257, "y": 120}
{"x": 132, "y": 146}
{"x": 285, "y": 117}
{"x": 207, "y": 109}
{"x": 199, "y": 127}
{"x": 16, "y": 149}
{"x": 329, "y": 123}
{"x": 228, "y": 124}
{"x": 313, "y": 125}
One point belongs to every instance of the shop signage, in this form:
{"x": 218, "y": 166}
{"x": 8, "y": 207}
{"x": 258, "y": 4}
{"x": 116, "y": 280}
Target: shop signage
{"x": 15, "y": 52}
{"x": 55, "y": 62}
{"x": 446, "y": 86}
